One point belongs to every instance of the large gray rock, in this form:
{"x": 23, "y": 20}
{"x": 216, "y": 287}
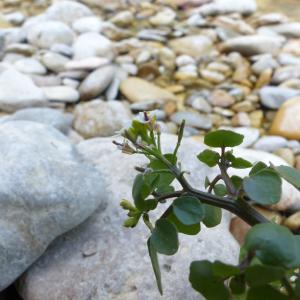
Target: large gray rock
{"x": 253, "y": 44}
{"x": 48, "y": 116}
{"x": 18, "y": 91}
{"x": 111, "y": 262}
{"x": 46, "y": 189}
{"x": 273, "y": 96}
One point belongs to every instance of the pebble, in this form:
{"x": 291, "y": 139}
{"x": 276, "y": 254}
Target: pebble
{"x": 88, "y": 24}
{"x": 30, "y": 66}
{"x": 96, "y": 82}
{"x": 270, "y": 143}
{"x": 221, "y": 98}
{"x": 192, "y": 119}
{"x": 55, "y": 62}
{"x": 286, "y": 154}
{"x": 293, "y": 221}
{"x": 89, "y": 63}
{"x": 287, "y": 120}
{"x": 64, "y": 94}
{"x": 212, "y": 76}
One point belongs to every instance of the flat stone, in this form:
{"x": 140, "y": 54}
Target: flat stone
{"x": 45, "y": 34}
{"x": 273, "y": 97}
{"x": 55, "y": 62}
{"x": 64, "y": 94}
{"x": 193, "y": 119}
{"x": 49, "y": 190}
{"x": 139, "y": 90}
{"x": 194, "y": 45}
{"x": 18, "y": 91}
{"x": 221, "y": 98}
{"x": 99, "y": 118}
{"x": 287, "y": 120}
{"x": 290, "y": 30}
{"x": 285, "y": 73}
{"x": 253, "y": 44}
{"x": 270, "y": 143}
{"x": 96, "y": 82}
{"x": 89, "y": 63}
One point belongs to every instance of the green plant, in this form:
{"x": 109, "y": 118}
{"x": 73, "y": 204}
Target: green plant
{"x": 269, "y": 259}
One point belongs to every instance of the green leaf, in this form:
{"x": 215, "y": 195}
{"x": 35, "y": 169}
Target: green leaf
{"x": 182, "y": 228}
{"x": 164, "y": 237}
{"x": 240, "y": 163}
{"x": 223, "y": 270}
{"x": 140, "y": 191}
{"x": 258, "y": 275}
{"x": 165, "y": 189}
{"x": 273, "y": 244}
{"x": 209, "y": 157}
{"x": 188, "y": 210}
{"x": 297, "y": 286}
{"x": 237, "y": 285}
{"x": 237, "y": 162}
{"x": 223, "y": 138}
{"x": 289, "y": 174}
{"x": 213, "y": 216}
{"x": 265, "y": 292}
{"x": 155, "y": 265}
{"x": 140, "y": 129}
{"x": 206, "y": 182}
{"x": 263, "y": 187}
{"x": 220, "y": 190}
{"x": 296, "y": 261}
{"x": 237, "y": 181}
{"x": 259, "y": 166}
{"x": 165, "y": 178}
{"x": 204, "y": 281}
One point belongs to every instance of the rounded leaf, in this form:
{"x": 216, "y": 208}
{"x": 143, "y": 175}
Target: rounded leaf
{"x": 182, "y": 228}
{"x": 213, "y": 216}
{"x": 188, "y": 210}
{"x": 164, "y": 237}
{"x": 263, "y": 187}
{"x": 223, "y": 138}
{"x": 209, "y": 157}
{"x": 289, "y": 174}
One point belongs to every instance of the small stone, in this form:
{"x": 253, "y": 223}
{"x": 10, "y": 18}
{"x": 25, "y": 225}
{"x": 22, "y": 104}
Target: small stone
{"x": 45, "y": 34}
{"x": 253, "y": 44}
{"x": 219, "y": 67}
{"x": 167, "y": 58}
{"x": 89, "y": 63}
{"x": 221, "y": 98}
{"x": 123, "y": 18}
{"x": 285, "y": 73}
{"x": 286, "y": 154}
{"x": 273, "y": 97}
{"x": 64, "y": 94}
{"x": 245, "y": 106}
{"x": 193, "y": 119}
{"x": 96, "y": 82}
{"x": 18, "y": 91}
{"x": 195, "y": 45}
{"x": 163, "y": 18}
{"x": 100, "y": 118}
{"x": 212, "y": 76}
{"x": 47, "y": 80}
{"x": 264, "y": 78}
{"x": 24, "y": 49}
{"x": 265, "y": 61}
{"x": 139, "y": 90}
{"x": 256, "y": 118}
{"x": 30, "y": 66}
{"x": 89, "y": 248}
{"x": 199, "y": 103}
{"x": 293, "y": 221}
{"x": 287, "y": 120}
{"x": 92, "y": 44}
{"x": 63, "y": 49}
{"x": 183, "y": 60}
{"x": 270, "y": 143}
{"x": 241, "y": 119}
{"x": 88, "y": 24}
{"x": 54, "y": 61}
{"x": 143, "y": 57}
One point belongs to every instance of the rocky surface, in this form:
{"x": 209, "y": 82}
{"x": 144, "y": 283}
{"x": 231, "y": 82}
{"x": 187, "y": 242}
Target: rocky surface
{"x": 45, "y": 190}
{"x": 88, "y": 67}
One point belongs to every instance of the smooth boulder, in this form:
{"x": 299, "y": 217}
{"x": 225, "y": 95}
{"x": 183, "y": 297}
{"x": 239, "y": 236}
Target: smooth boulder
{"x": 46, "y": 189}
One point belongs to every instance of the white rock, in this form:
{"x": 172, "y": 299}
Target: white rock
{"x": 67, "y": 11}
{"x": 30, "y": 66}
{"x": 65, "y": 94}
{"x": 54, "y": 61}
{"x": 92, "y": 44}
{"x": 100, "y": 118}
{"x": 18, "y": 91}
{"x": 45, "y": 34}
{"x": 88, "y": 24}
{"x": 89, "y": 63}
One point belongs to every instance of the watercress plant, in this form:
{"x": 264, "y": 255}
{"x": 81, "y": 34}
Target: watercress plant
{"x": 270, "y": 257}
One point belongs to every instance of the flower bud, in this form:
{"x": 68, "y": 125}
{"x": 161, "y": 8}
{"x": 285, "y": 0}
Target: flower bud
{"x": 125, "y": 204}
